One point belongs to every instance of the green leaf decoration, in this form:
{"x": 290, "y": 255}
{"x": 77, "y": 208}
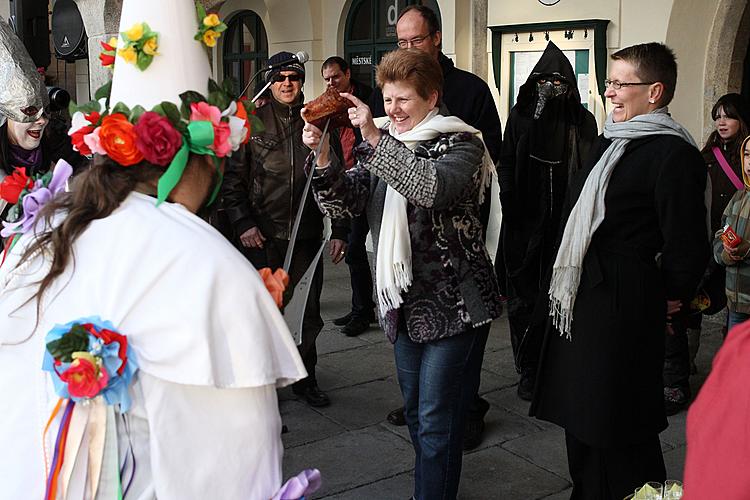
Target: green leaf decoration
{"x": 213, "y": 86}
{"x": 229, "y": 85}
{"x": 136, "y": 113}
{"x": 220, "y": 28}
{"x": 201, "y": 10}
{"x": 89, "y": 107}
{"x": 76, "y": 340}
{"x": 172, "y": 112}
{"x": 72, "y": 107}
{"x": 191, "y": 97}
{"x": 219, "y": 99}
{"x": 121, "y": 108}
{"x": 144, "y": 61}
{"x": 103, "y": 91}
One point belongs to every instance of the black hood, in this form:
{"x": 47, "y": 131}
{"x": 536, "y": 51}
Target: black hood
{"x": 552, "y": 62}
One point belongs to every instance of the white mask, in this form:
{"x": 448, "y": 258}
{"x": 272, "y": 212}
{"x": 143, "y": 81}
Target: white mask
{"x": 27, "y": 135}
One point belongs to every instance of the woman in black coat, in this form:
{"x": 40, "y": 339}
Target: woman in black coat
{"x": 634, "y": 248}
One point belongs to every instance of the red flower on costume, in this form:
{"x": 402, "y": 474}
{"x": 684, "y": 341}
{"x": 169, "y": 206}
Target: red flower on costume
{"x": 202, "y": 111}
{"x": 14, "y": 184}
{"x": 276, "y": 282}
{"x": 77, "y": 137}
{"x": 84, "y": 378}
{"x": 108, "y": 336}
{"x": 157, "y": 139}
{"x": 118, "y": 139}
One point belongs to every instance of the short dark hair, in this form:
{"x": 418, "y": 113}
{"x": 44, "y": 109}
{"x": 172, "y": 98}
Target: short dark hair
{"x": 433, "y": 25}
{"x": 343, "y": 65}
{"x": 414, "y": 67}
{"x": 653, "y": 62}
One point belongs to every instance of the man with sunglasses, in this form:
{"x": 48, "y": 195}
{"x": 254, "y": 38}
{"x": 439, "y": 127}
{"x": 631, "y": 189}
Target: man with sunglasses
{"x": 468, "y": 97}
{"x": 262, "y": 189}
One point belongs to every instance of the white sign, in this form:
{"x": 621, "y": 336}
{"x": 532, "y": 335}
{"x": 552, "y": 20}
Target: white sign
{"x": 362, "y": 61}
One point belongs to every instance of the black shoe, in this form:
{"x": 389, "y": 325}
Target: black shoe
{"x": 343, "y": 320}
{"x": 525, "y": 389}
{"x": 313, "y": 395}
{"x": 474, "y": 428}
{"x": 356, "y": 326}
{"x": 675, "y": 400}
{"x": 397, "y": 417}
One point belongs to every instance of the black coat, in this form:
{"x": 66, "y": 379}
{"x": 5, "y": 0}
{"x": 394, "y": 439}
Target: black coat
{"x": 537, "y": 162}
{"x": 605, "y": 385}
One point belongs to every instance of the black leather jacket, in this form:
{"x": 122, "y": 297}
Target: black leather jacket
{"x": 264, "y": 181}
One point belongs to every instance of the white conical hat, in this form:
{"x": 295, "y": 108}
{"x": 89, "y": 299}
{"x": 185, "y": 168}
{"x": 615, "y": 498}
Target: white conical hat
{"x": 181, "y": 64}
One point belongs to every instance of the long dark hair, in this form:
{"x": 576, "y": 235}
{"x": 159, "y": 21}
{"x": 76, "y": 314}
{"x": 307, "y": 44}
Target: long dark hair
{"x": 735, "y": 107}
{"x": 95, "y": 194}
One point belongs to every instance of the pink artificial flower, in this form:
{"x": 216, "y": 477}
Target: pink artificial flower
{"x": 84, "y": 378}
{"x": 94, "y": 142}
{"x": 203, "y": 111}
{"x": 222, "y": 145}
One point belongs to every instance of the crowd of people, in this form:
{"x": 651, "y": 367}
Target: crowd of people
{"x": 612, "y": 248}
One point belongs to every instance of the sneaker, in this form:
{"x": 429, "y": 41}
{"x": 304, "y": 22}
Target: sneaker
{"x": 343, "y": 320}
{"x": 675, "y": 400}
{"x": 356, "y": 326}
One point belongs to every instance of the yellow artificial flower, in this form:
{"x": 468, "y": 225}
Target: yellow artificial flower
{"x": 113, "y": 42}
{"x": 211, "y": 20}
{"x": 209, "y": 38}
{"x": 128, "y": 54}
{"x": 135, "y": 33}
{"x": 150, "y": 46}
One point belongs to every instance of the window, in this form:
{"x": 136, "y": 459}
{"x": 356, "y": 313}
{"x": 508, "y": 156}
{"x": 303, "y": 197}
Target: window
{"x": 371, "y": 32}
{"x": 245, "y": 48}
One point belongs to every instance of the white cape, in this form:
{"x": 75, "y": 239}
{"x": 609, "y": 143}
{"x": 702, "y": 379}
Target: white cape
{"x": 210, "y": 343}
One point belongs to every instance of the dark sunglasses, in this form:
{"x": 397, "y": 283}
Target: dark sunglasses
{"x": 280, "y": 78}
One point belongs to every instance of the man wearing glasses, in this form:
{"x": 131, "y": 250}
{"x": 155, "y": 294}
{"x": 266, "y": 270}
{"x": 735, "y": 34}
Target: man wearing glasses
{"x": 262, "y": 189}
{"x": 468, "y": 97}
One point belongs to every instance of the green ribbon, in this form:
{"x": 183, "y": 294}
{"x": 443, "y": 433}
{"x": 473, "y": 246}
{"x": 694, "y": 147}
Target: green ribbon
{"x": 200, "y": 135}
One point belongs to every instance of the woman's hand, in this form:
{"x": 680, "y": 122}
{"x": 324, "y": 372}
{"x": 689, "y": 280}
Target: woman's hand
{"x": 361, "y": 117}
{"x": 311, "y": 137}
{"x": 738, "y": 252}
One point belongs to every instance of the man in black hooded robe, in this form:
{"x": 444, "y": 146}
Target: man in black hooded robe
{"x": 547, "y": 139}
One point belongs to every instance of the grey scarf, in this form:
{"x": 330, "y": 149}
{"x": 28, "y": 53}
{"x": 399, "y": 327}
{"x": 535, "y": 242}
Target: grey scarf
{"x": 588, "y": 212}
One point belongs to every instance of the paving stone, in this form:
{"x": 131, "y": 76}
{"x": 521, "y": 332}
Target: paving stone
{"x": 562, "y": 495}
{"x": 675, "y": 433}
{"x": 544, "y": 448}
{"x": 371, "y": 362}
{"x": 332, "y": 340}
{"x": 491, "y": 381}
{"x": 393, "y": 488}
{"x": 364, "y": 404}
{"x": 495, "y": 473}
{"x": 351, "y": 459}
{"x": 509, "y": 400}
{"x": 500, "y": 362}
{"x": 499, "y": 337}
{"x": 305, "y": 424}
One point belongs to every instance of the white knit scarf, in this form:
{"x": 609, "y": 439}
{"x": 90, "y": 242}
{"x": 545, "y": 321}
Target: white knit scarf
{"x": 393, "y": 273}
{"x": 588, "y": 212}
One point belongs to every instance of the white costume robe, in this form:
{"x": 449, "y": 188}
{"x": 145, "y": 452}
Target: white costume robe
{"x": 210, "y": 344}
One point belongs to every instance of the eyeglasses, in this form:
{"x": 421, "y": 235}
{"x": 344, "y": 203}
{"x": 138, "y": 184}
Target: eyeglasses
{"x": 617, "y": 85}
{"x": 292, "y": 78}
{"x": 414, "y": 42}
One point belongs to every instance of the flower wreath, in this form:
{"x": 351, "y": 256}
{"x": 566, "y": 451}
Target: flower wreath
{"x": 215, "y": 125}
{"x": 27, "y": 195}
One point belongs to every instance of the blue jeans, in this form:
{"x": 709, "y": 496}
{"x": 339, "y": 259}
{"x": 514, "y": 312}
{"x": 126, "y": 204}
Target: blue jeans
{"x": 438, "y": 381}
{"x": 735, "y": 318}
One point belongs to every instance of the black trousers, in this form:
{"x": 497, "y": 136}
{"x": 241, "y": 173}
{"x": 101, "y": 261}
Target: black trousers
{"x": 359, "y": 268}
{"x": 613, "y": 473}
{"x": 677, "y": 353}
{"x": 272, "y": 255}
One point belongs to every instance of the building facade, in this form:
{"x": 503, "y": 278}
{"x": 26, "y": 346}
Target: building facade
{"x": 499, "y": 40}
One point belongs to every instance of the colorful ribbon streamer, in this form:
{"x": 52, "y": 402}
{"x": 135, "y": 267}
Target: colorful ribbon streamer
{"x": 200, "y": 135}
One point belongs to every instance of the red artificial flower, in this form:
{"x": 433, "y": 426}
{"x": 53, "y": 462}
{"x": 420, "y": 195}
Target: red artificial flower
{"x": 157, "y": 139}
{"x": 84, "y": 378}
{"x": 108, "y": 336}
{"x": 242, "y": 113}
{"x": 276, "y": 282}
{"x": 14, "y": 184}
{"x": 106, "y": 59}
{"x": 221, "y": 146}
{"x": 77, "y": 139}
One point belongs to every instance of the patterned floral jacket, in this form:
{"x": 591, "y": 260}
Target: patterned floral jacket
{"x": 454, "y": 287}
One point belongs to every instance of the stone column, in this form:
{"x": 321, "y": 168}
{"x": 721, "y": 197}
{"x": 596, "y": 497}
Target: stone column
{"x": 5, "y": 9}
{"x": 479, "y": 38}
{"x": 101, "y": 19}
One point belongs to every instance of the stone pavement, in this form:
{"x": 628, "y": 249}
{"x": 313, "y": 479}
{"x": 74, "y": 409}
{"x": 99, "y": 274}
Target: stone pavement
{"x": 362, "y": 456}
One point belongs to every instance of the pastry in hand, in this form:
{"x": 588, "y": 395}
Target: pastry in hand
{"x": 329, "y": 105}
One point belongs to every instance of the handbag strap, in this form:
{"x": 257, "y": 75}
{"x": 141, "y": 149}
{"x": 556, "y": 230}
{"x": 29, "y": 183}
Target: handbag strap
{"x": 738, "y": 184}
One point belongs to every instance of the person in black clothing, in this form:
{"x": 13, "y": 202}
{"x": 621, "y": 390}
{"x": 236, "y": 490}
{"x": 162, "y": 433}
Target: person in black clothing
{"x": 262, "y": 189}
{"x": 640, "y": 197}
{"x": 468, "y": 97}
{"x": 336, "y": 73}
{"x": 547, "y": 138}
